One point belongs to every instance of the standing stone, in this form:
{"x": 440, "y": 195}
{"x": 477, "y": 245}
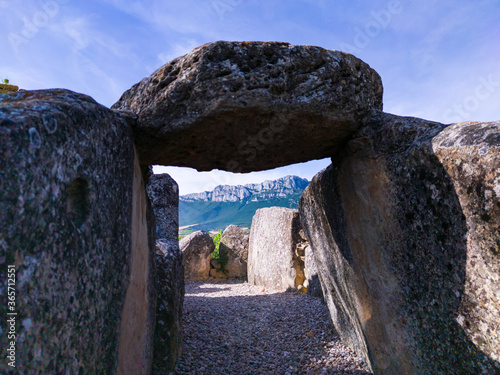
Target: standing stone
{"x": 164, "y": 194}
{"x": 272, "y": 259}
{"x": 196, "y": 250}
{"x": 168, "y": 335}
{"x": 73, "y": 210}
{"x": 259, "y": 105}
{"x": 234, "y": 248}
{"x": 394, "y": 246}
{"x": 470, "y": 153}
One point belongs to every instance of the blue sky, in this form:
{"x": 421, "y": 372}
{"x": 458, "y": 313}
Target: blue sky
{"x": 438, "y": 60}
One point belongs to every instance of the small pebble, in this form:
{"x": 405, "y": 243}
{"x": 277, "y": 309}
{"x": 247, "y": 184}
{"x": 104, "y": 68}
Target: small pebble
{"x": 232, "y": 327}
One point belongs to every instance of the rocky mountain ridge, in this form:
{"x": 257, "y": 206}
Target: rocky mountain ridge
{"x": 269, "y": 189}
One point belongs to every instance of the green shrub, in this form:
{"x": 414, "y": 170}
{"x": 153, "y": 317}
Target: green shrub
{"x": 220, "y": 256}
{"x": 216, "y": 238}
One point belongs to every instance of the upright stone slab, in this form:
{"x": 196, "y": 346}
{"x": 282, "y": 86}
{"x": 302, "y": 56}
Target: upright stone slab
{"x": 470, "y": 153}
{"x": 196, "y": 249}
{"x": 72, "y": 208}
{"x": 170, "y": 288}
{"x": 234, "y": 248}
{"x": 164, "y": 194}
{"x": 272, "y": 259}
{"x": 259, "y": 105}
{"x": 403, "y": 251}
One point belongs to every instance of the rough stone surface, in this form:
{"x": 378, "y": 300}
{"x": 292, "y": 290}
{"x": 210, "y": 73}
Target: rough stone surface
{"x": 73, "y": 214}
{"x": 218, "y": 274}
{"x": 163, "y": 192}
{"x": 170, "y": 289}
{"x": 391, "y": 243}
{"x": 259, "y": 105}
{"x": 311, "y": 273}
{"x": 196, "y": 249}
{"x": 272, "y": 259}
{"x": 470, "y": 153}
{"x": 234, "y": 248}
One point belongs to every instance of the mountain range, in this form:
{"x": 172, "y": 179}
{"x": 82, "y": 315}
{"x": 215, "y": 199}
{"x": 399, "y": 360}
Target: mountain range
{"x": 227, "y": 204}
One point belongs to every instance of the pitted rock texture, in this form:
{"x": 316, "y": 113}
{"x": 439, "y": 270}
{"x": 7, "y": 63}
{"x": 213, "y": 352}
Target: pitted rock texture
{"x": 163, "y": 192}
{"x": 167, "y": 345}
{"x": 72, "y": 209}
{"x": 470, "y": 153}
{"x": 272, "y": 259}
{"x": 234, "y": 249}
{"x": 259, "y": 105}
{"x": 196, "y": 250}
{"x": 391, "y": 243}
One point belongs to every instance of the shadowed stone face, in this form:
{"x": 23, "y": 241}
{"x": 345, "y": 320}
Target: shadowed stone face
{"x": 470, "y": 153}
{"x": 250, "y": 106}
{"x": 196, "y": 249}
{"x": 164, "y": 194}
{"x": 71, "y": 213}
{"x": 404, "y": 229}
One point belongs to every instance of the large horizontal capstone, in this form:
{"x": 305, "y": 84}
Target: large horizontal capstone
{"x": 249, "y": 106}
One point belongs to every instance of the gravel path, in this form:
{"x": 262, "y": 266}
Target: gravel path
{"x": 235, "y": 328}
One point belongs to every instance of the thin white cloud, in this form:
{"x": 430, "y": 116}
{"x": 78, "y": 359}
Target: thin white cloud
{"x": 184, "y": 17}
{"x": 75, "y": 29}
{"x": 176, "y": 50}
{"x": 431, "y": 56}
{"x": 192, "y": 181}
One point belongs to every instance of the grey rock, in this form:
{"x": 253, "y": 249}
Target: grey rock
{"x": 214, "y": 263}
{"x": 470, "y": 154}
{"x": 218, "y": 274}
{"x": 392, "y": 241}
{"x": 170, "y": 290}
{"x": 272, "y": 259}
{"x": 259, "y": 105}
{"x": 311, "y": 274}
{"x": 234, "y": 249}
{"x": 196, "y": 250}
{"x": 163, "y": 192}
{"x": 73, "y": 210}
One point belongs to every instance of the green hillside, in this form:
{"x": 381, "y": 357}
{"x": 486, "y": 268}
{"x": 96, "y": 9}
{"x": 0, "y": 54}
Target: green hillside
{"x": 218, "y": 215}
